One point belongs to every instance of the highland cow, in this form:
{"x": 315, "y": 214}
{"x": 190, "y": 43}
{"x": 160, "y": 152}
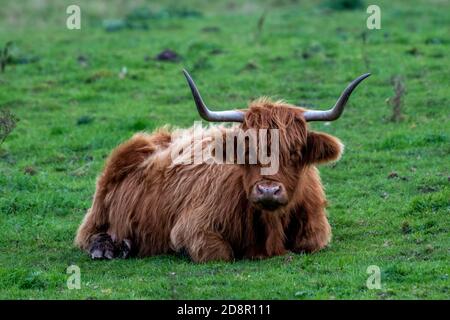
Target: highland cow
{"x": 145, "y": 204}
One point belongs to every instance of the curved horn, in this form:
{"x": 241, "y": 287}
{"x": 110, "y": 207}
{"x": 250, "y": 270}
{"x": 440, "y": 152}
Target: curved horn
{"x": 335, "y": 112}
{"x": 205, "y": 113}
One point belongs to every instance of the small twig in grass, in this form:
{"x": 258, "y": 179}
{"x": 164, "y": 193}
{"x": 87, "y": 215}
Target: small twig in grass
{"x": 260, "y": 25}
{"x": 4, "y": 55}
{"x": 364, "y": 52}
{"x": 8, "y": 122}
{"x": 397, "y": 100}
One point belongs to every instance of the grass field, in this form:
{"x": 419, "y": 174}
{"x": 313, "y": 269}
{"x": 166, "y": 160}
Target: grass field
{"x": 389, "y": 195}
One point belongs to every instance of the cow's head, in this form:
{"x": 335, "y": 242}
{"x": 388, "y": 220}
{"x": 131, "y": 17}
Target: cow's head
{"x": 298, "y": 146}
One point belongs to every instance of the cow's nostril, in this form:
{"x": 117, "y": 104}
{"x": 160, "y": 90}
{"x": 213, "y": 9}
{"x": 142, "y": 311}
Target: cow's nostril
{"x": 277, "y": 190}
{"x": 260, "y": 189}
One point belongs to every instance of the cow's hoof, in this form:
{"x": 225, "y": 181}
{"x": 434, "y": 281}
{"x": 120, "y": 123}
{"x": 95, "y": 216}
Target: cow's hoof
{"x": 124, "y": 249}
{"x": 102, "y": 247}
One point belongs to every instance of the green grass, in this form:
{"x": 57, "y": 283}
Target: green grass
{"x": 71, "y": 117}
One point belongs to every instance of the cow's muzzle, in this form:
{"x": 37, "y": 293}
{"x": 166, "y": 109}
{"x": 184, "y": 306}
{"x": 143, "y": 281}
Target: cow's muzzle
{"x": 268, "y": 195}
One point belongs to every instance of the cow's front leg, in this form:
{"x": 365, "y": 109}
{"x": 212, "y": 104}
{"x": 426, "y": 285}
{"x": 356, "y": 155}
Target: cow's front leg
{"x": 310, "y": 231}
{"x": 200, "y": 245}
{"x": 209, "y": 246}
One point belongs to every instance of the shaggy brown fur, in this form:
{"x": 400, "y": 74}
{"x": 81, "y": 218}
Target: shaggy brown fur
{"x": 145, "y": 202}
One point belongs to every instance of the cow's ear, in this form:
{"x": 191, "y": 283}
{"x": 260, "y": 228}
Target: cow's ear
{"x": 321, "y": 148}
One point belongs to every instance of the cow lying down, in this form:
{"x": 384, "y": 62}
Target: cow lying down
{"x": 146, "y": 203}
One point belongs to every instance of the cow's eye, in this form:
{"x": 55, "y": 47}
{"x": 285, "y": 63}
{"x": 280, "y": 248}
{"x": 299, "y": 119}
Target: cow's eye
{"x": 295, "y": 156}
